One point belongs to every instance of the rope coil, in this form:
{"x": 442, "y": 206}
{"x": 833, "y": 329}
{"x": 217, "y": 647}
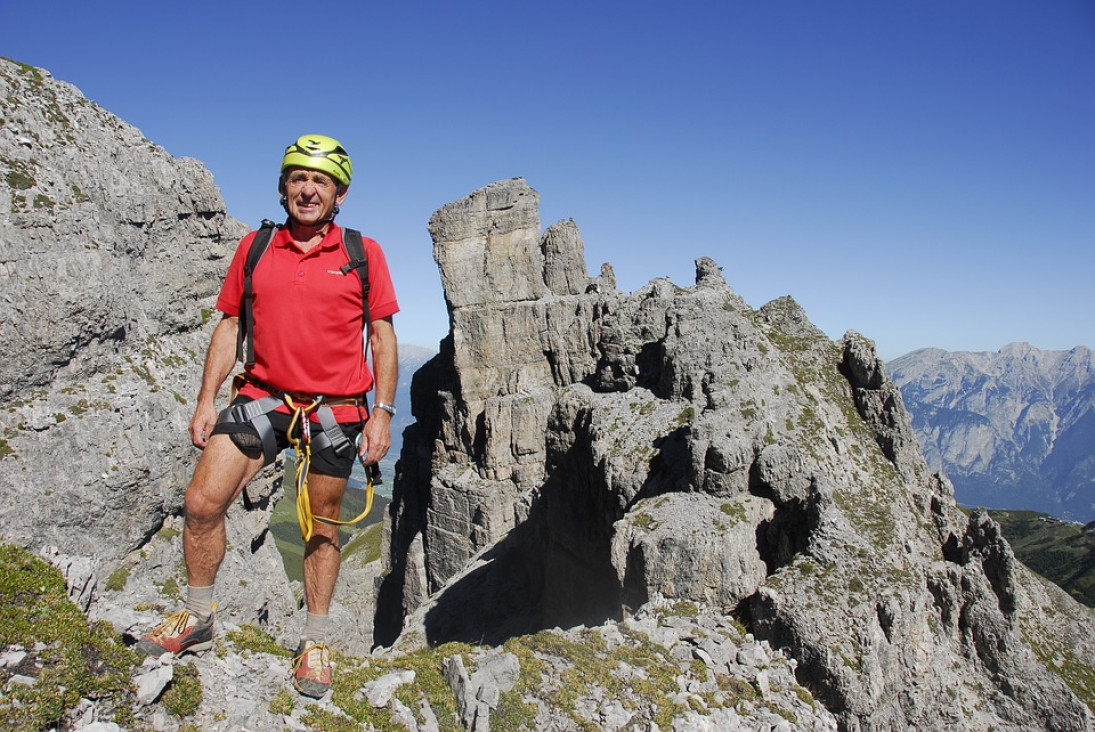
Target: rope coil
{"x": 302, "y": 448}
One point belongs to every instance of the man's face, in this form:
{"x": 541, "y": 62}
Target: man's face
{"x": 312, "y": 195}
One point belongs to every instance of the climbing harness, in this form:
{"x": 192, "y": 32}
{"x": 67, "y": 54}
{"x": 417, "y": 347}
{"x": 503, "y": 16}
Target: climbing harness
{"x": 302, "y": 447}
{"x": 301, "y": 438}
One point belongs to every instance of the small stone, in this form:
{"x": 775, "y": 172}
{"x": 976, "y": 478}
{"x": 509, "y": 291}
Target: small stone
{"x": 151, "y": 684}
{"x": 11, "y": 659}
{"x": 379, "y": 692}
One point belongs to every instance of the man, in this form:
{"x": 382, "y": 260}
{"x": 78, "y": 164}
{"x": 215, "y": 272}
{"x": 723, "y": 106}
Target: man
{"x": 303, "y": 313}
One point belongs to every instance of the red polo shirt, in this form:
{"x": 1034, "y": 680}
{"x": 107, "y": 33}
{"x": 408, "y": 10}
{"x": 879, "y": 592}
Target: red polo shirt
{"x": 309, "y": 330}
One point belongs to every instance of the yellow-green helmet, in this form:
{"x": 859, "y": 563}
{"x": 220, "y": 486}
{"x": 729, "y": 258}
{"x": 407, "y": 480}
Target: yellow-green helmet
{"x": 319, "y": 152}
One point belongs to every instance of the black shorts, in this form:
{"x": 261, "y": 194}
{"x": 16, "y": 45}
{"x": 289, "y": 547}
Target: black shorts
{"x": 325, "y": 461}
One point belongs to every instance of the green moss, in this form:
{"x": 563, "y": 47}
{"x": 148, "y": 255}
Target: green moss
{"x": 324, "y": 720}
{"x": 429, "y": 682}
{"x": 170, "y": 588}
{"x": 83, "y": 406}
{"x": 20, "y": 177}
{"x": 736, "y": 690}
{"x": 184, "y": 695}
{"x": 78, "y": 660}
{"x": 283, "y": 702}
{"x": 513, "y": 713}
{"x": 735, "y": 511}
{"x": 117, "y": 580}
{"x": 687, "y": 416}
{"x": 684, "y": 609}
{"x": 143, "y": 372}
{"x": 593, "y": 666}
{"x": 253, "y": 639}
{"x": 785, "y": 713}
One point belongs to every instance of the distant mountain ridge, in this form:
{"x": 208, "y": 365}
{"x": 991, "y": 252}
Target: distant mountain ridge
{"x": 1012, "y": 429}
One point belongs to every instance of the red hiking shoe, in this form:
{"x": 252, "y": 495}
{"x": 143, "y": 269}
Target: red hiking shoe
{"x": 312, "y": 669}
{"x": 179, "y": 633}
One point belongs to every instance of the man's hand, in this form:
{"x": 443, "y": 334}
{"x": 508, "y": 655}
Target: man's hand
{"x": 376, "y": 438}
{"x": 201, "y": 424}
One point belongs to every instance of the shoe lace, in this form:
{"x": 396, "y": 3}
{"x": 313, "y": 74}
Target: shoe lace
{"x": 173, "y": 625}
{"x": 305, "y": 656}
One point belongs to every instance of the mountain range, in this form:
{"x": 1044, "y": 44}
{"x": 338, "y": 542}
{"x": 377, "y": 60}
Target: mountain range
{"x": 1012, "y": 429}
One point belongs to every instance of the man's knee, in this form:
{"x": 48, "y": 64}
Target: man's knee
{"x": 323, "y": 537}
{"x": 202, "y": 505}
{"x": 221, "y": 473}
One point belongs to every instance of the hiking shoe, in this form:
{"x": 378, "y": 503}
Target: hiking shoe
{"x": 179, "y": 633}
{"x": 312, "y": 669}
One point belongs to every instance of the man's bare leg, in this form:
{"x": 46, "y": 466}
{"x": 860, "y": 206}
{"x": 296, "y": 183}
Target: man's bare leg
{"x": 312, "y": 666}
{"x": 220, "y": 476}
{"x": 321, "y": 555}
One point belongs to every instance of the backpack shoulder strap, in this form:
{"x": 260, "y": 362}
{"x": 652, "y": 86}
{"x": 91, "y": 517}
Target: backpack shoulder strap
{"x": 355, "y": 249}
{"x": 245, "y": 345}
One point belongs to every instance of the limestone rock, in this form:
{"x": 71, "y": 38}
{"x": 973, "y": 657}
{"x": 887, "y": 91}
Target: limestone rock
{"x": 592, "y": 453}
{"x": 111, "y": 254}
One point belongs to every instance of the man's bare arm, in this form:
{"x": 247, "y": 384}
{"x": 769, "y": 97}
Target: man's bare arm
{"x": 377, "y": 437}
{"x": 220, "y": 359}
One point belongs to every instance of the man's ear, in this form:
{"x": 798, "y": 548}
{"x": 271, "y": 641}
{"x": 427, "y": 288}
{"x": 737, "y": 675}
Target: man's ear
{"x": 342, "y": 191}
{"x": 281, "y": 185}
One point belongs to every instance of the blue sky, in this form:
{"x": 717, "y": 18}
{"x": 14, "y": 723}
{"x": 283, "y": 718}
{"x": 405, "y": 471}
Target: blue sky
{"x": 922, "y": 172}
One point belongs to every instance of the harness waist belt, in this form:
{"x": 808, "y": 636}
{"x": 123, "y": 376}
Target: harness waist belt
{"x": 255, "y": 412}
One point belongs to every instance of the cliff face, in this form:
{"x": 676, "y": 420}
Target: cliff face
{"x": 109, "y": 250}
{"x": 111, "y": 255}
{"x": 1012, "y": 429}
{"x": 580, "y": 453}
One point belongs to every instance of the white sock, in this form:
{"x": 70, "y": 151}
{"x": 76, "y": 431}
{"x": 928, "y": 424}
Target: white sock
{"x": 199, "y": 601}
{"x": 315, "y": 629}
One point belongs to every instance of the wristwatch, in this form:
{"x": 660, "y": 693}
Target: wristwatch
{"x": 386, "y": 407}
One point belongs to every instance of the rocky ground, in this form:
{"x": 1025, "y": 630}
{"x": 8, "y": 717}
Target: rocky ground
{"x": 670, "y": 666}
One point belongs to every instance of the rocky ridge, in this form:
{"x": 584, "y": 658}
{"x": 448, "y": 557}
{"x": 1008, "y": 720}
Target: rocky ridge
{"x": 582, "y": 458}
{"x": 101, "y": 365}
{"x": 1012, "y": 429}
{"x": 580, "y": 453}
{"x": 111, "y": 255}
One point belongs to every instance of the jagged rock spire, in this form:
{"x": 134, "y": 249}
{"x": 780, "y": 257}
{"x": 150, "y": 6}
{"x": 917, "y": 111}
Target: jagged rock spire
{"x": 591, "y": 451}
